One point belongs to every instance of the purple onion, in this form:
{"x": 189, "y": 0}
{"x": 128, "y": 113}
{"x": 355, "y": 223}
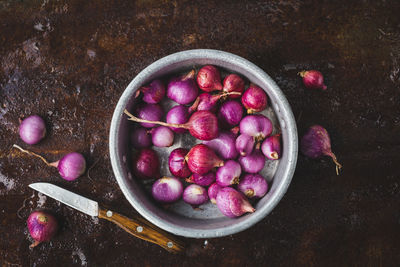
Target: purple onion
{"x": 205, "y": 101}
{"x": 42, "y": 226}
{"x": 232, "y": 203}
{"x": 162, "y": 136}
{"x": 201, "y": 159}
{"x": 213, "y": 192}
{"x": 316, "y": 143}
{"x": 167, "y": 189}
{"x": 271, "y": 147}
{"x": 153, "y": 93}
{"x": 253, "y": 185}
{"x": 228, "y": 174}
{"x": 257, "y": 126}
{"x": 195, "y": 195}
{"x": 32, "y": 129}
{"x": 230, "y": 113}
{"x": 233, "y": 83}
{"x": 244, "y": 144}
{"x": 203, "y": 180}
{"x": 177, "y": 163}
{"x": 150, "y": 112}
{"x": 146, "y": 164}
{"x": 313, "y": 79}
{"x": 254, "y": 99}
{"x": 183, "y": 90}
{"x": 178, "y": 115}
{"x": 140, "y": 138}
{"x": 71, "y": 166}
{"x": 252, "y": 163}
{"x": 223, "y": 145}
{"x": 209, "y": 79}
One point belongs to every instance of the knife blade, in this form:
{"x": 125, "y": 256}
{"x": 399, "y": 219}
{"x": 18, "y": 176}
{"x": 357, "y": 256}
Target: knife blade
{"x": 136, "y": 226}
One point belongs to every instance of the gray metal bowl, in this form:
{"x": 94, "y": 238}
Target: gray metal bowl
{"x": 180, "y": 218}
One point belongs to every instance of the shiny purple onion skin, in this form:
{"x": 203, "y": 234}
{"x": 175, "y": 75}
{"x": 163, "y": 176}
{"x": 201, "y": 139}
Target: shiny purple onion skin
{"x": 71, "y": 166}
{"x": 32, "y": 129}
{"x": 140, "y": 138}
{"x": 162, "y": 136}
{"x": 253, "y": 185}
{"x": 146, "y": 164}
{"x": 177, "y": 164}
{"x": 233, "y": 83}
{"x": 224, "y": 145}
{"x": 202, "y": 179}
{"x": 257, "y": 126}
{"x": 313, "y": 79}
{"x": 271, "y": 147}
{"x": 203, "y": 125}
{"x": 209, "y": 79}
{"x": 228, "y": 174}
{"x": 195, "y": 195}
{"x": 183, "y": 90}
{"x": 316, "y": 142}
{"x": 42, "y": 226}
{"x": 254, "y": 99}
{"x": 244, "y": 144}
{"x": 151, "y": 112}
{"x": 213, "y": 192}
{"x": 207, "y": 102}
{"x": 153, "y": 93}
{"x": 252, "y": 163}
{"x": 232, "y": 204}
{"x": 230, "y": 113}
{"x": 178, "y": 115}
{"x": 167, "y": 190}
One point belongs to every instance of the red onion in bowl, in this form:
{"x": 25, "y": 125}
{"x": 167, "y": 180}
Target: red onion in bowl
{"x": 140, "y": 138}
{"x": 230, "y": 113}
{"x": 207, "y": 101}
{"x": 167, "y": 190}
{"x": 149, "y": 112}
{"x": 183, "y": 90}
{"x": 178, "y": 115}
{"x": 32, "y": 129}
{"x": 228, "y": 174}
{"x": 253, "y": 186}
{"x": 162, "y": 136}
{"x": 244, "y": 144}
{"x": 257, "y": 126}
{"x": 209, "y": 79}
{"x": 195, "y": 195}
{"x": 177, "y": 163}
{"x": 201, "y": 159}
{"x": 232, "y": 203}
{"x": 42, "y": 226}
{"x": 233, "y": 83}
{"x": 203, "y": 180}
{"x": 254, "y": 99}
{"x": 271, "y": 147}
{"x": 213, "y": 192}
{"x": 252, "y": 163}
{"x": 223, "y": 145}
{"x": 313, "y": 79}
{"x": 153, "y": 93}
{"x": 146, "y": 164}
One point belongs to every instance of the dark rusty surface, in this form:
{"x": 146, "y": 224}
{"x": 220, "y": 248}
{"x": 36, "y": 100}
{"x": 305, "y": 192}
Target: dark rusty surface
{"x": 69, "y": 61}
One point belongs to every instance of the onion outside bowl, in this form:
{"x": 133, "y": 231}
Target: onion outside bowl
{"x": 180, "y": 219}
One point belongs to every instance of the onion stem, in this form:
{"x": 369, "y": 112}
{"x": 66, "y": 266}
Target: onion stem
{"x": 136, "y": 119}
{"x": 32, "y": 154}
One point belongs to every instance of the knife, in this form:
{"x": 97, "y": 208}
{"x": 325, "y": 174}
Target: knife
{"x": 137, "y": 226}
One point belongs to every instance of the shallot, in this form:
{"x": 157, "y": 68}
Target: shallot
{"x": 177, "y": 163}
{"x": 162, "y": 136}
{"x": 244, "y": 144}
{"x": 232, "y": 203}
{"x": 140, "y": 138}
{"x": 201, "y": 159}
{"x": 253, "y": 185}
{"x": 209, "y": 79}
{"x": 213, "y": 192}
{"x": 42, "y": 227}
{"x": 195, "y": 195}
{"x": 233, "y": 83}
{"x": 254, "y": 99}
{"x": 313, "y": 79}
{"x": 271, "y": 147}
{"x": 146, "y": 164}
{"x": 230, "y": 113}
{"x": 207, "y": 101}
{"x": 204, "y": 180}
{"x": 253, "y": 162}
{"x": 223, "y": 145}
{"x": 257, "y": 126}
{"x": 149, "y": 112}
{"x": 167, "y": 189}
{"x": 178, "y": 115}
{"x": 32, "y": 129}
{"x": 228, "y": 174}
{"x": 183, "y": 90}
{"x": 153, "y": 93}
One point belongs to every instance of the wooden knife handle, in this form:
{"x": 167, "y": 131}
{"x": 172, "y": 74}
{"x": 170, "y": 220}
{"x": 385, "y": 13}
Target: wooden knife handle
{"x": 143, "y": 229}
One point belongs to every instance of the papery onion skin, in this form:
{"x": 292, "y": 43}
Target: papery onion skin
{"x": 183, "y": 90}
{"x": 224, "y": 145}
{"x": 151, "y": 112}
{"x": 146, "y": 164}
{"x": 32, "y": 129}
{"x": 177, "y": 163}
{"x": 233, "y": 83}
{"x": 167, "y": 190}
{"x": 232, "y": 203}
{"x": 253, "y": 185}
{"x": 42, "y": 226}
{"x": 162, "y": 136}
{"x": 257, "y": 126}
{"x": 195, "y": 195}
{"x": 140, "y": 138}
{"x": 178, "y": 115}
{"x": 153, "y": 93}
{"x": 230, "y": 113}
{"x": 71, "y": 166}
{"x": 203, "y": 125}
{"x": 203, "y": 180}
{"x": 313, "y": 79}
{"x": 252, "y": 163}
{"x": 244, "y": 144}
{"x": 202, "y": 159}
{"x": 271, "y": 147}
{"x": 209, "y": 79}
{"x": 254, "y": 99}
{"x": 213, "y": 192}
{"x": 228, "y": 174}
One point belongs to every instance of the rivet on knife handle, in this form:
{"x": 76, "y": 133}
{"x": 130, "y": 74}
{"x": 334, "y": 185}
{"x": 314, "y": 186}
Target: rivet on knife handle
{"x": 143, "y": 230}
